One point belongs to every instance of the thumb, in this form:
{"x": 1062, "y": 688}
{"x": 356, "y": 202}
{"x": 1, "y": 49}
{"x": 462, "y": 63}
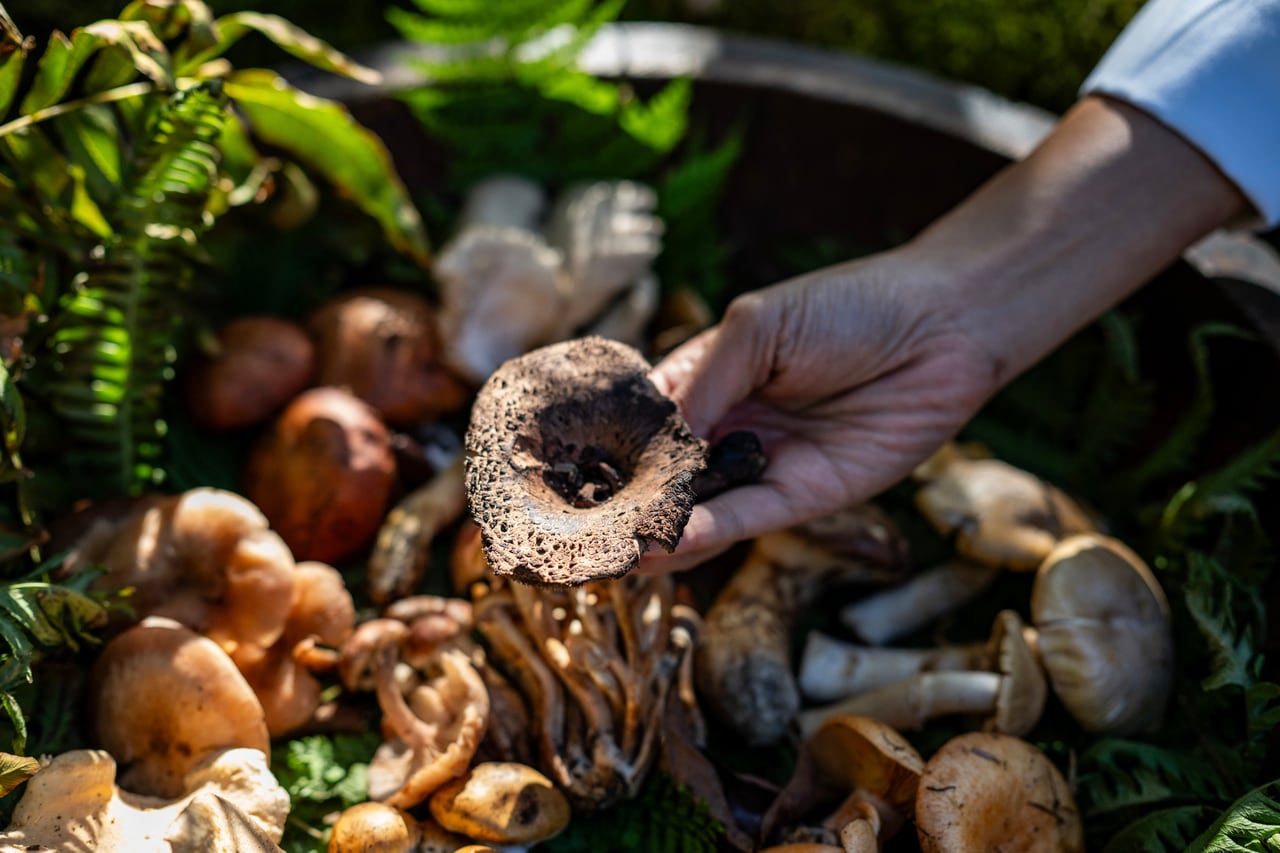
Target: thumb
{"x": 711, "y": 373}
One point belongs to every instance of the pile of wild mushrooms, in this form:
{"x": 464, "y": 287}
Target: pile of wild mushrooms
{"x": 554, "y": 679}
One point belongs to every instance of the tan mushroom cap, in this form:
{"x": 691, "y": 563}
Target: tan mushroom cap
{"x": 576, "y": 462}
{"x": 859, "y": 752}
{"x": 1000, "y": 515}
{"x": 165, "y": 697}
{"x": 1104, "y": 634}
{"x": 374, "y": 828}
{"x": 503, "y": 803}
{"x": 1022, "y": 692}
{"x": 986, "y": 791}
{"x": 213, "y": 824}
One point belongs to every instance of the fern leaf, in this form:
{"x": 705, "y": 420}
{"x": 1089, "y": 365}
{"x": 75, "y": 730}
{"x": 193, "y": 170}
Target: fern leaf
{"x": 1118, "y": 774}
{"x": 1163, "y": 831}
{"x": 110, "y": 344}
{"x": 663, "y": 817}
{"x": 1221, "y": 489}
{"x": 1250, "y": 825}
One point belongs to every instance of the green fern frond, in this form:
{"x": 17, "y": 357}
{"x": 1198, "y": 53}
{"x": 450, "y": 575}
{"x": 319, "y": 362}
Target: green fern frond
{"x": 1221, "y": 492}
{"x": 1118, "y": 774}
{"x": 1212, "y": 600}
{"x": 112, "y": 341}
{"x": 1163, "y": 831}
{"x": 1252, "y": 823}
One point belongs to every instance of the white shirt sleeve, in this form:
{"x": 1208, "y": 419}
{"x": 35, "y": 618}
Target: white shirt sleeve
{"x": 1209, "y": 69}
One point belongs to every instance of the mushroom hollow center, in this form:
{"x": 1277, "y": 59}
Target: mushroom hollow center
{"x": 585, "y": 451}
{"x": 584, "y": 476}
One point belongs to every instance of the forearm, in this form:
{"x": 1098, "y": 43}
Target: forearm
{"x": 1107, "y": 201}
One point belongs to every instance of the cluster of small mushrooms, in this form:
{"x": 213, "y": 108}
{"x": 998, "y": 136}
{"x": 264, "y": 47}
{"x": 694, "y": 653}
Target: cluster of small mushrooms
{"x": 554, "y": 679}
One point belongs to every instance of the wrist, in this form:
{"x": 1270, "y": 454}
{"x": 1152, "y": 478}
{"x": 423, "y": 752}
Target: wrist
{"x": 1106, "y": 202}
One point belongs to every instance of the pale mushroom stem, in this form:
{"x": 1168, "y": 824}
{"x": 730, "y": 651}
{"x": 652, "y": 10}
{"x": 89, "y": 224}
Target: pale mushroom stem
{"x": 395, "y": 709}
{"x": 909, "y": 704}
{"x": 831, "y": 669}
{"x": 897, "y": 612}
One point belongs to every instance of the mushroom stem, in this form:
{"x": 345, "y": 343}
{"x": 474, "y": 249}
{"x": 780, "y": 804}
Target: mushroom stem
{"x": 831, "y": 669}
{"x": 505, "y": 201}
{"x": 897, "y": 612}
{"x": 910, "y": 704}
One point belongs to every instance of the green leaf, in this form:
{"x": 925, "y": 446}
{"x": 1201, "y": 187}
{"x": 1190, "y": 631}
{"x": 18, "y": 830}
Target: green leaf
{"x": 91, "y": 138}
{"x": 323, "y": 136}
{"x": 14, "y": 770}
{"x": 1250, "y": 825}
{"x": 170, "y": 19}
{"x": 13, "y": 54}
{"x": 1164, "y": 831}
{"x": 1210, "y": 597}
{"x": 290, "y": 38}
{"x": 1116, "y": 774}
{"x": 19, "y": 720}
{"x": 63, "y": 58}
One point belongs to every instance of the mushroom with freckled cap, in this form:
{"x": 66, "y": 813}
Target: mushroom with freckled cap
{"x": 1103, "y": 633}
{"x": 1009, "y": 697}
{"x": 501, "y": 803}
{"x": 987, "y": 791}
{"x": 163, "y": 698}
{"x": 1000, "y": 515}
{"x": 576, "y": 463}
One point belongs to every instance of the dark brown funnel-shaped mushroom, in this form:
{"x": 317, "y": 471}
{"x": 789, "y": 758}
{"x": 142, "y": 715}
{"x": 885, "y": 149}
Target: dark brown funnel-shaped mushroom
{"x": 576, "y": 462}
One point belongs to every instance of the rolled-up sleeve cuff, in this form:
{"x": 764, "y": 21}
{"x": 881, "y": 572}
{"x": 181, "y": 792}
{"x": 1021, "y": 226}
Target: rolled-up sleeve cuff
{"x": 1210, "y": 70}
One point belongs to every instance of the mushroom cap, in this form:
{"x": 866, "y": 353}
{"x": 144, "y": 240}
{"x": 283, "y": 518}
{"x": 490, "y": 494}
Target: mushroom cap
{"x": 858, "y": 752}
{"x": 164, "y": 697}
{"x": 1021, "y": 696}
{"x": 383, "y": 345}
{"x": 984, "y": 790}
{"x": 1000, "y": 515}
{"x": 503, "y": 803}
{"x": 374, "y": 828}
{"x": 551, "y": 415}
{"x": 214, "y": 824}
{"x": 1104, "y": 634}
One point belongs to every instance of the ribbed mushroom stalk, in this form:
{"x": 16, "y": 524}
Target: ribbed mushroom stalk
{"x": 1009, "y": 698}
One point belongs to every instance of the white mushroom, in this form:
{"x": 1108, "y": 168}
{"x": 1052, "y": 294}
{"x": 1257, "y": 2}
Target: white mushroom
{"x": 884, "y": 616}
{"x": 230, "y": 803}
{"x": 608, "y": 236}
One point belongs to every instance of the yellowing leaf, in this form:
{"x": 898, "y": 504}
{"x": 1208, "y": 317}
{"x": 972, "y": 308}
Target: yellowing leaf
{"x": 14, "y": 770}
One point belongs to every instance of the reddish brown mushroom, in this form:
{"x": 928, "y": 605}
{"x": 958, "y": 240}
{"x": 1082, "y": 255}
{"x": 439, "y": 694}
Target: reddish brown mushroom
{"x": 576, "y": 462}
{"x": 383, "y": 345}
{"x": 324, "y": 474}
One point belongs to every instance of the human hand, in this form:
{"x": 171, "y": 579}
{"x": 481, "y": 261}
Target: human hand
{"x": 849, "y": 376}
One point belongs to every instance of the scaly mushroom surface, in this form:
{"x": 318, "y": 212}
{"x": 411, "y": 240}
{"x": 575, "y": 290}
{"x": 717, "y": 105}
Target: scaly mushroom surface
{"x": 576, "y": 463}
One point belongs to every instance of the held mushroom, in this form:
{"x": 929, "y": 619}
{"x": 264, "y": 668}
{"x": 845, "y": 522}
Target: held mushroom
{"x": 228, "y": 802}
{"x": 163, "y": 698}
{"x": 743, "y": 664}
{"x": 501, "y": 803}
{"x": 1103, "y": 633}
{"x": 1009, "y": 699}
{"x": 576, "y": 462}
{"x": 1000, "y": 515}
{"x": 983, "y": 791}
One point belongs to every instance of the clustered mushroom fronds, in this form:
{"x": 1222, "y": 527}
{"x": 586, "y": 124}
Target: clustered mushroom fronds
{"x": 593, "y": 665}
